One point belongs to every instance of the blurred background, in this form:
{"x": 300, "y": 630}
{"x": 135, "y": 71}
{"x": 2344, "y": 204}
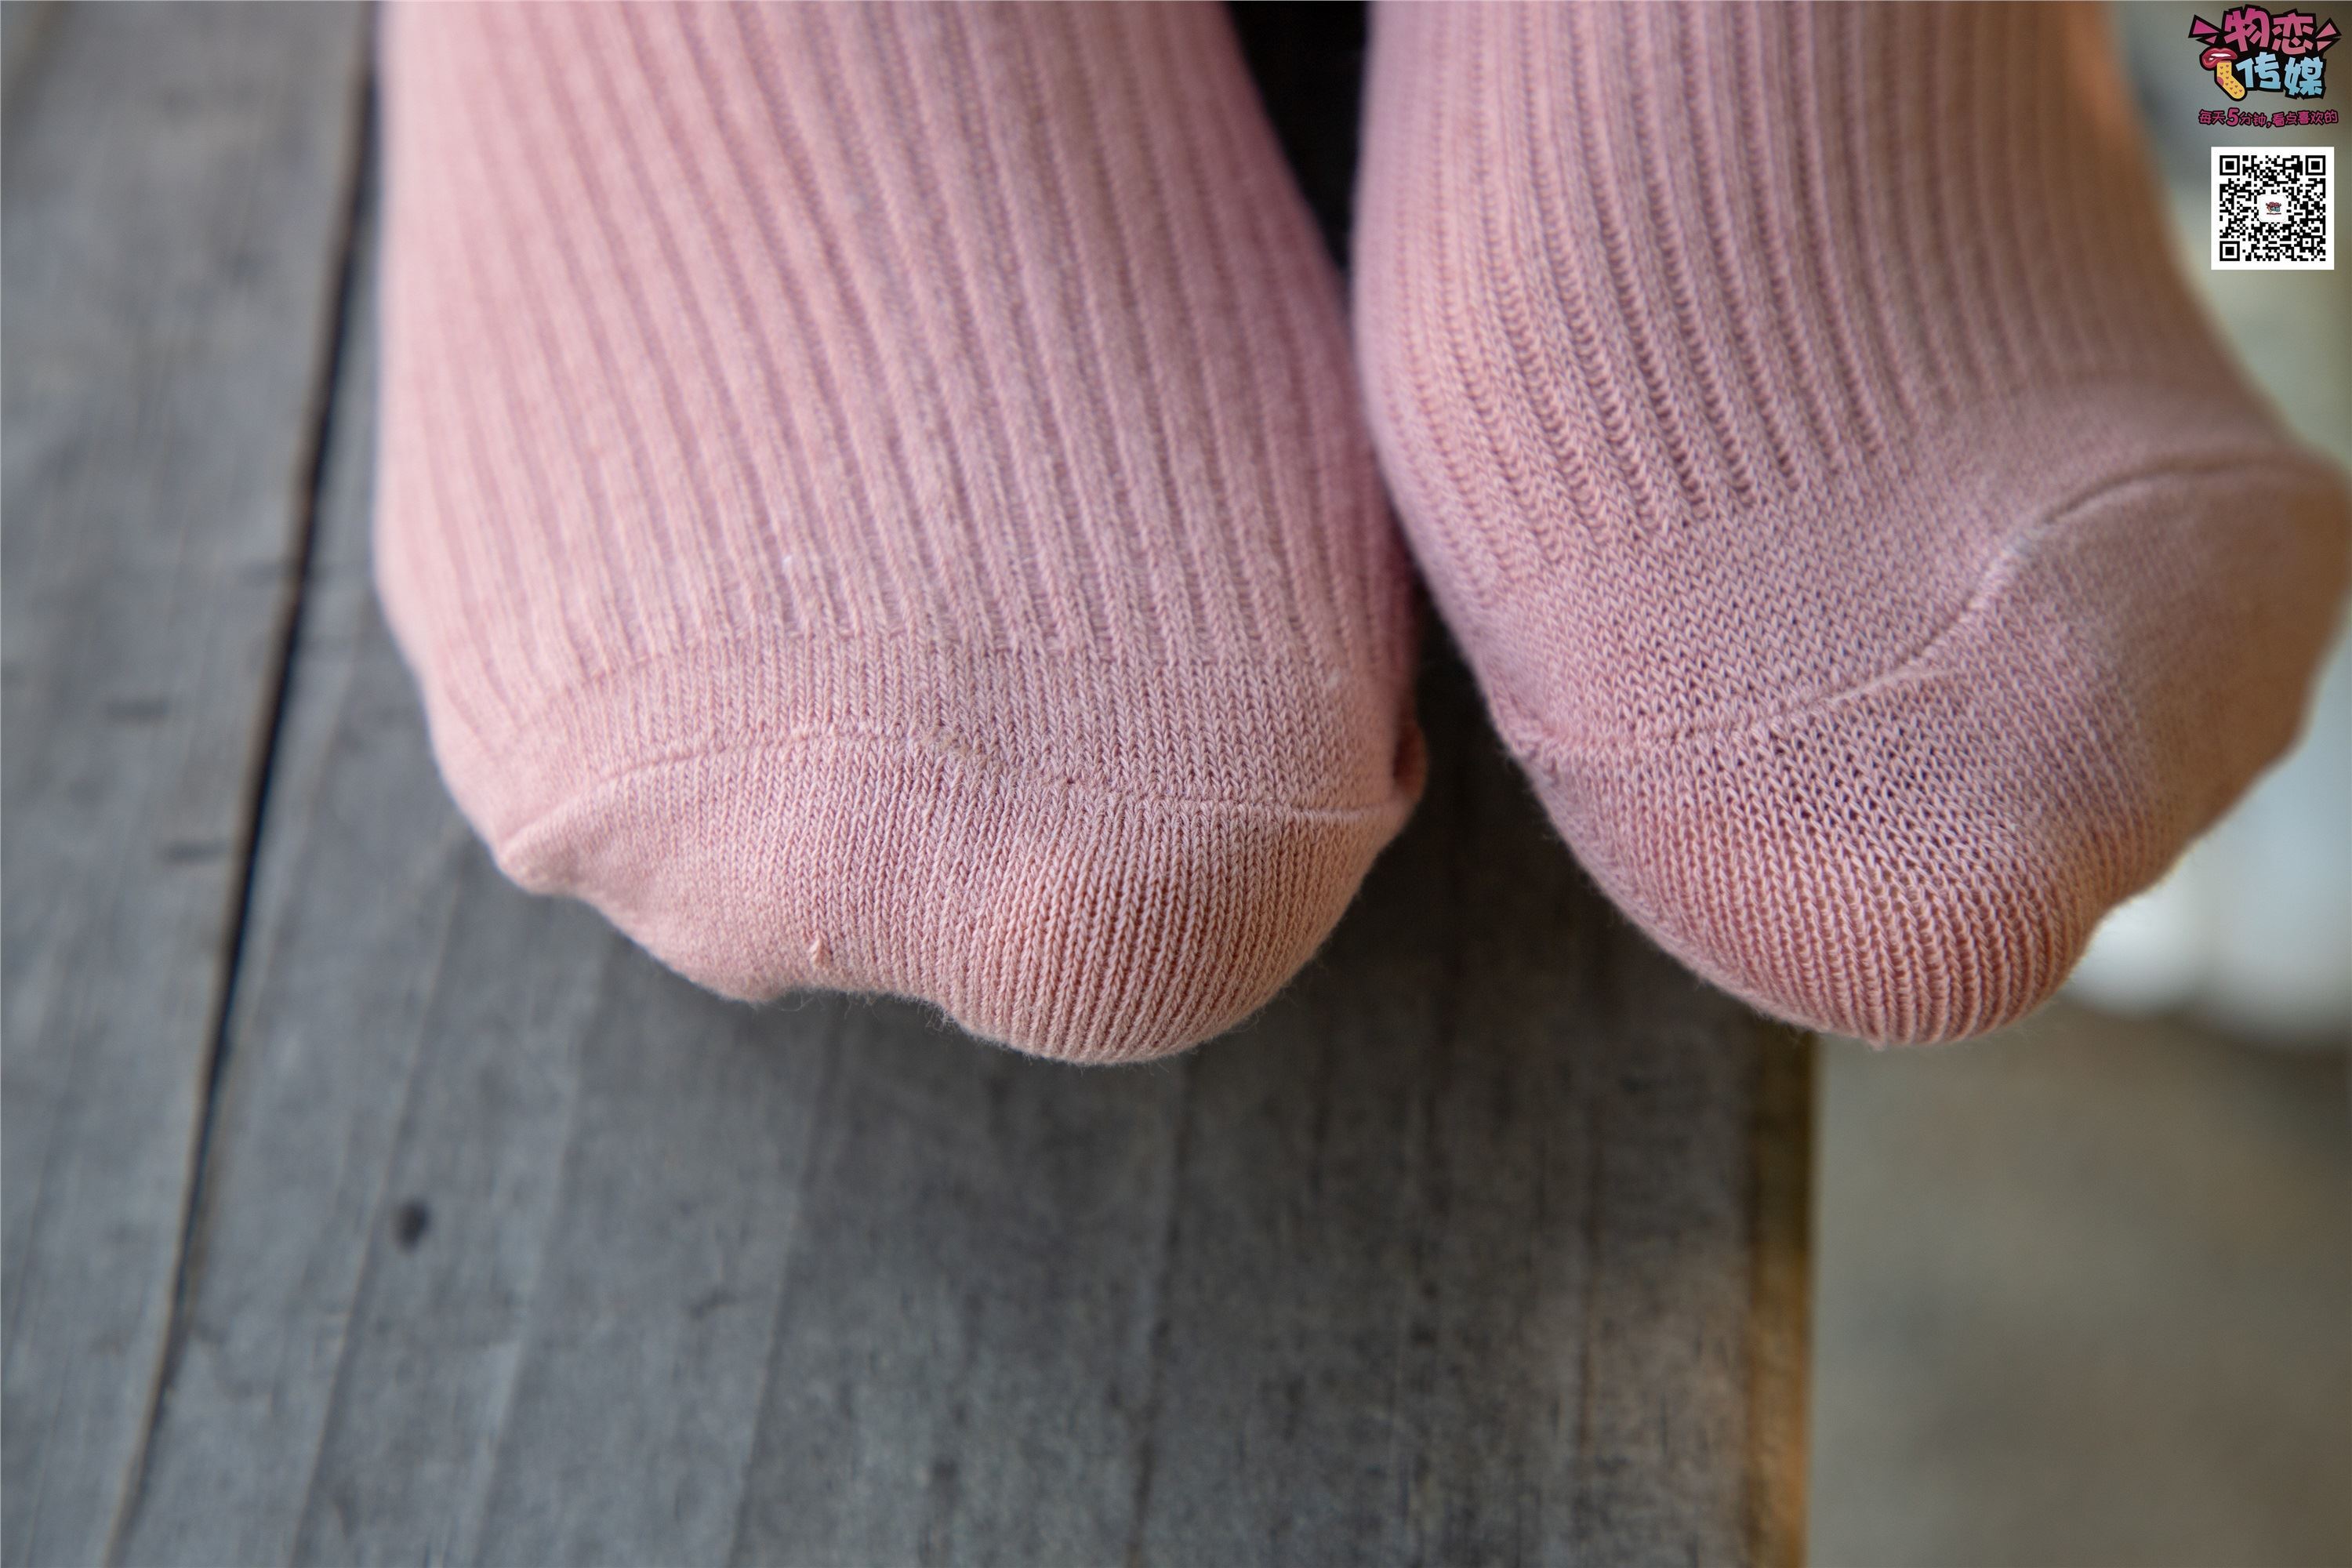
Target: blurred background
{"x": 2084, "y": 1290}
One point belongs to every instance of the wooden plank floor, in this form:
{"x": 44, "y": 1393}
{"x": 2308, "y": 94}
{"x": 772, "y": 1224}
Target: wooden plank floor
{"x": 360, "y": 1208}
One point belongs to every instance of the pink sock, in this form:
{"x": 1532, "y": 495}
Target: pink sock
{"x": 1856, "y": 529}
{"x": 874, "y": 500}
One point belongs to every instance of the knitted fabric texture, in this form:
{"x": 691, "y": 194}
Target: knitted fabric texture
{"x": 874, "y": 498}
{"x": 1855, "y": 528}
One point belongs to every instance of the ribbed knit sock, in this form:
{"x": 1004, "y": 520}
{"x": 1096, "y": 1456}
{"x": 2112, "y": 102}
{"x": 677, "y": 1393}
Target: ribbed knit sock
{"x": 874, "y": 498}
{"x": 1857, "y": 531}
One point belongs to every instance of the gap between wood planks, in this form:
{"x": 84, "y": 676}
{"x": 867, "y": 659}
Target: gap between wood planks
{"x": 359, "y": 185}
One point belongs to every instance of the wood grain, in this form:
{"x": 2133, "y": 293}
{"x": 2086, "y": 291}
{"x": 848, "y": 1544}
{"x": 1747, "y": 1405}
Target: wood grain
{"x": 177, "y": 189}
{"x": 1484, "y": 1242}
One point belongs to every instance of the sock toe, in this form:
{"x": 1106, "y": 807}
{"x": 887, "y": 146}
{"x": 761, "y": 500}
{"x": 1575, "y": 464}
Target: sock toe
{"x": 1924, "y": 857}
{"x": 873, "y": 499}
{"x": 1068, "y": 895}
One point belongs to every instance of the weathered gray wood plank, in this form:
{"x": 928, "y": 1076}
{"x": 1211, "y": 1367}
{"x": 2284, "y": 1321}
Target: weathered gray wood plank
{"x": 175, "y": 198}
{"x": 1486, "y": 1242}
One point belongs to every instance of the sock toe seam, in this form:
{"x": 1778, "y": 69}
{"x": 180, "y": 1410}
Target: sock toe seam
{"x": 985, "y": 768}
{"x": 1536, "y": 740}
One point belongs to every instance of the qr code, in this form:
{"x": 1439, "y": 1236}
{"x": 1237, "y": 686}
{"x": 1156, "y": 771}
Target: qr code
{"x": 2273, "y": 207}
